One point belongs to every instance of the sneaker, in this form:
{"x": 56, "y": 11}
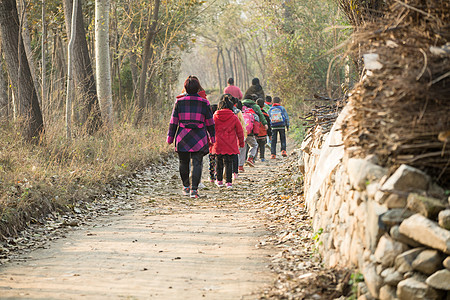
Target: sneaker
{"x": 250, "y": 161}
{"x": 219, "y": 183}
{"x": 201, "y": 185}
{"x": 186, "y": 191}
{"x": 235, "y": 175}
{"x": 283, "y": 153}
{"x": 194, "y": 194}
{"x": 229, "y": 185}
{"x": 273, "y": 156}
{"x": 241, "y": 169}
{"x": 263, "y": 159}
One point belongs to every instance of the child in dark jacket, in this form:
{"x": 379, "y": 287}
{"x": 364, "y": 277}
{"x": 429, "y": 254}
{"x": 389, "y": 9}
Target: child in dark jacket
{"x": 212, "y": 156}
{"x": 229, "y": 136}
{"x": 261, "y": 139}
{"x": 279, "y": 120}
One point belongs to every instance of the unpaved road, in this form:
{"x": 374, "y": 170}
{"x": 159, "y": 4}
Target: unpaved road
{"x": 169, "y": 247}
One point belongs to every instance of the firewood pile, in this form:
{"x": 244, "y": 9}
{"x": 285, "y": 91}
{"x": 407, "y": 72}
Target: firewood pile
{"x": 401, "y": 109}
{"x": 323, "y": 116}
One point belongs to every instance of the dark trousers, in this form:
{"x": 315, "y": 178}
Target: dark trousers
{"x": 235, "y": 163}
{"x": 261, "y": 146}
{"x": 212, "y": 166}
{"x": 282, "y": 133}
{"x": 227, "y": 161}
{"x": 197, "y": 164}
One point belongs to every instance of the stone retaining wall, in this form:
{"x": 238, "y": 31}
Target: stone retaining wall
{"x": 393, "y": 228}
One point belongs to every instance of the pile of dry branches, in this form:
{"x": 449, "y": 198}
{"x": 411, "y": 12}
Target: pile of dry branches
{"x": 323, "y": 116}
{"x": 401, "y": 109}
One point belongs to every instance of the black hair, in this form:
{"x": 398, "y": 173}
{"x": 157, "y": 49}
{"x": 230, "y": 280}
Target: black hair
{"x": 226, "y": 102}
{"x": 239, "y": 104}
{"x": 276, "y": 100}
{"x": 255, "y": 81}
{"x": 192, "y": 85}
{"x": 231, "y": 80}
{"x": 268, "y": 99}
{"x": 213, "y": 108}
{"x": 254, "y": 97}
{"x": 260, "y": 102}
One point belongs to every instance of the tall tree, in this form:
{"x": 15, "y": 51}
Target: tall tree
{"x": 146, "y": 57}
{"x": 44, "y": 99}
{"x": 23, "y": 19}
{"x": 27, "y": 104}
{"x": 102, "y": 60}
{"x": 70, "y": 82}
{"x": 82, "y": 69}
{"x": 4, "y": 106}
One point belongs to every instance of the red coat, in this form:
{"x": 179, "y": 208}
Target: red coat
{"x": 229, "y": 133}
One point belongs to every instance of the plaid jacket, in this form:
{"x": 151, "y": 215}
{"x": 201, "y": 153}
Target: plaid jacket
{"x": 192, "y": 123}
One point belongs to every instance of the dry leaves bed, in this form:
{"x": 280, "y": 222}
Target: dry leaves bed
{"x": 300, "y": 273}
{"x": 273, "y": 190}
{"x": 116, "y": 199}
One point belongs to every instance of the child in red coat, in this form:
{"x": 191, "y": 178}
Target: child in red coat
{"x": 229, "y": 136}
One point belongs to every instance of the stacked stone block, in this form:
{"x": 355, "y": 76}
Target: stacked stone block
{"x": 391, "y": 226}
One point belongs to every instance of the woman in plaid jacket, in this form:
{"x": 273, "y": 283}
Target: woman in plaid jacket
{"x": 192, "y": 129}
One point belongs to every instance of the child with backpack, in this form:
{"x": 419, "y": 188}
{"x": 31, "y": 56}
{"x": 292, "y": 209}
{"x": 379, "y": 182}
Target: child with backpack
{"x": 253, "y": 116}
{"x": 279, "y": 120}
{"x": 237, "y": 109}
{"x": 261, "y": 138}
{"x": 229, "y": 136}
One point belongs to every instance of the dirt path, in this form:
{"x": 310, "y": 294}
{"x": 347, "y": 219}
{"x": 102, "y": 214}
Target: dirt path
{"x": 169, "y": 247}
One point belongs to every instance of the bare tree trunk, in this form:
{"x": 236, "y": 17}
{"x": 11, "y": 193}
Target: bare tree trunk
{"x": 21, "y": 9}
{"x": 70, "y": 84}
{"x": 263, "y": 59}
{"x": 82, "y": 71}
{"x": 102, "y": 59}
{"x": 231, "y": 63}
{"x": 258, "y": 62}
{"x": 4, "y": 103}
{"x": 218, "y": 70}
{"x": 153, "y": 22}
{"x": 44, "y": 100}
{"x": 237, "y": 76}
{"x": 245, "y": 60}
{"x": 224, "y": 65}
{"x": 117, "y": 62}
{"x": 132, "y": 54}
{"x": 29, "y": 111}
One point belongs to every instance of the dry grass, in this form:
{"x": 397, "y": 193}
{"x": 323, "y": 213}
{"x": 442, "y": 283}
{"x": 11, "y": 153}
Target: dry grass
{"x": 35, "y": 180}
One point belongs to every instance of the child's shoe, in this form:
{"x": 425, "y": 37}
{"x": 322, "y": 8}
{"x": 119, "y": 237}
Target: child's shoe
{"x": 194, "y": 194}
{"x": 250, "y": 161}
{"x": 229, "y": 185}
{"x": 186, "y": 191}
{"x": 263, "y": 159}
{"x": 235, "y": 175}
{"x": 283, "y": 153}
{"x": 273, "y": 156}
{"x": 219, "y": 183}
{"x": 241, "y": 169}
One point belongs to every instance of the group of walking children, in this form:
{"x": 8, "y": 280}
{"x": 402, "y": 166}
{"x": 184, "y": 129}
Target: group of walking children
{"x": 232, "y": 132}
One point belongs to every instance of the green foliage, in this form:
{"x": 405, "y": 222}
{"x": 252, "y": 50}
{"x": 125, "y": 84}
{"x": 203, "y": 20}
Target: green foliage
{"x": 355, "y": 278}
{"x": 299, "y": 53}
